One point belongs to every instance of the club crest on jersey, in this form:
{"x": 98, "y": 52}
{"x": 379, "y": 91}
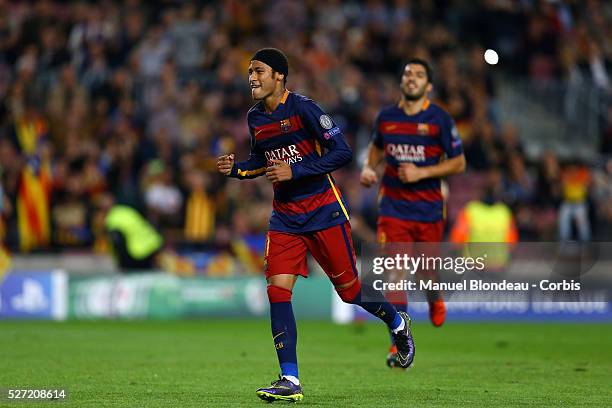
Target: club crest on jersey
{"x": 326, "y": 122}
{"x": 285, "y": 125}
{"x": 423, "y": 129}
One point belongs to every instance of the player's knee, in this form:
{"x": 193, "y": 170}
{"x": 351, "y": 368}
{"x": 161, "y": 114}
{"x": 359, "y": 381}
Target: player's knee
{"x": 283, "y": 280}
{"x": 276, "y": 294}
{"x": 349, "y": 292}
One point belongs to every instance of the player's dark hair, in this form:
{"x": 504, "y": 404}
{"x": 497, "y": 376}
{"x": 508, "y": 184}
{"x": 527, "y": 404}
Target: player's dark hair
{"x": 275, "y": 58}
{"x": 424, "y": 64}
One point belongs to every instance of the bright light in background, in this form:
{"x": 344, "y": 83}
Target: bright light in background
{"x": 491, "y": 57}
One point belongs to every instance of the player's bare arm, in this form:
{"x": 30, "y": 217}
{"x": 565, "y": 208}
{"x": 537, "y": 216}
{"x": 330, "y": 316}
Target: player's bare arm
{"x": 410, "y": 173}
{"x": 368, "y": 173}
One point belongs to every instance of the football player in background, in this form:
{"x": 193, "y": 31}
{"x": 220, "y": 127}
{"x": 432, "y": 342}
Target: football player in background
{"x": 419, "y": 143}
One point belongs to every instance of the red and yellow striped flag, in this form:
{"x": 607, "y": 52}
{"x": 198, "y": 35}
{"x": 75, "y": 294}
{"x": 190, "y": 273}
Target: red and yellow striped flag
{"x": 5, "y": 262}
{"x": 33, "y": 208}
{"x": 30, "y": 133}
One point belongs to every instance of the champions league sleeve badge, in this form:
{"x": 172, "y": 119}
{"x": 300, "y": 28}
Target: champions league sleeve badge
{"x": 326, "y": 122}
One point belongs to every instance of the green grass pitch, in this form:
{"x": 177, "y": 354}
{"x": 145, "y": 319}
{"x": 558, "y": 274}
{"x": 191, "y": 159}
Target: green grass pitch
{"x": 213, "y": 363}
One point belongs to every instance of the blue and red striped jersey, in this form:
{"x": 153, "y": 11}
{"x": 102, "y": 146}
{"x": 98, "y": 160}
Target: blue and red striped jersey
{"x": 301, "y": 134}
{"x": 422, "y": 139}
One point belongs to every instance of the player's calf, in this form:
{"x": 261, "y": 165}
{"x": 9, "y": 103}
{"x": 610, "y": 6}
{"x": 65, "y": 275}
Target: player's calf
{"x": 374, "y": 302}
{"x": 284, "y": 330}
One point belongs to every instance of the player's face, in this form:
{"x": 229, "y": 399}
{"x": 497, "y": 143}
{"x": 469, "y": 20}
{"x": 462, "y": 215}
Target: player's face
{"x": 262, "y": 80}
{"x": 414, "y": 83}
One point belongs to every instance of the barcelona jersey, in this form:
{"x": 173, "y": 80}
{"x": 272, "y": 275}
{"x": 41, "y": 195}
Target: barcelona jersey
{"x": 422, "y": 139}
{"x": 299, "y": 133}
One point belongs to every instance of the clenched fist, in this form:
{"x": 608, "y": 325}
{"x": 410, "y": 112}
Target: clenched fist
{"x": 410, "y": 173}
{"x": 279, "y": 171}
{"x": 225, "y": 164}
{"x": 368, "y": 176}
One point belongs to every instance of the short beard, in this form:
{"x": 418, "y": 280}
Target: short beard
{"x": 414, "y": 97}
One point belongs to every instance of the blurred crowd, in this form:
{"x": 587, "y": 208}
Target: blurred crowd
{"x": 135, "y": 99}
